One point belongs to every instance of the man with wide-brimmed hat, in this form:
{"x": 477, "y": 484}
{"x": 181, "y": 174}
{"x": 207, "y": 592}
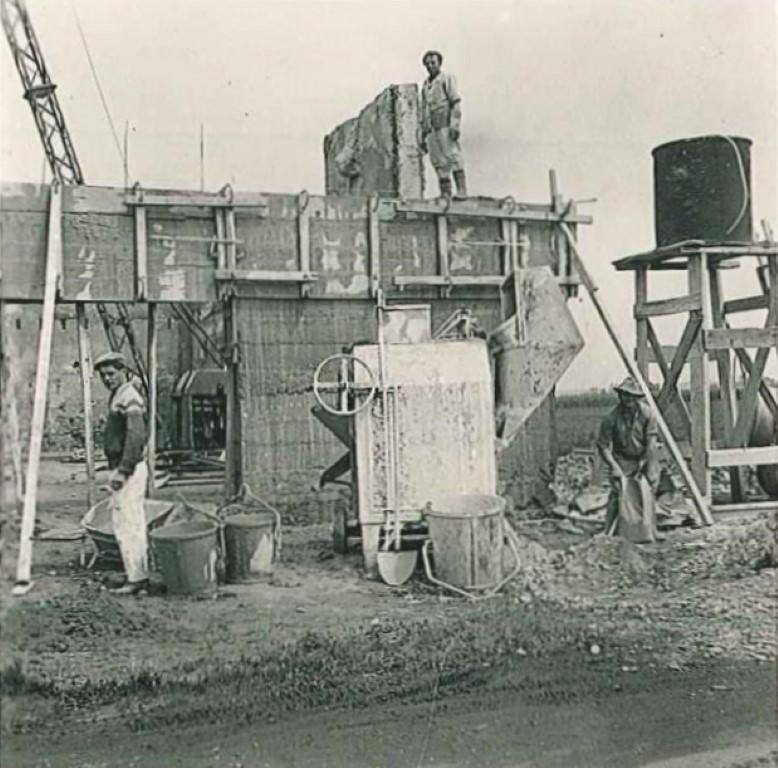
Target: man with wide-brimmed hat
{"x": 124, "y": 443}
{"x": 628, "y": 444}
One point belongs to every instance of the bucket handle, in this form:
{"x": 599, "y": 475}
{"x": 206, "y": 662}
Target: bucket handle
{"x": 214, "y": 518}
{"x": 511, "y": 538}
{"x": 244, "y": 493}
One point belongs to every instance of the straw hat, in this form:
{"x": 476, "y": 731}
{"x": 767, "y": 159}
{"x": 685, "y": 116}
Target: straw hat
{"x": 630, "y": 387}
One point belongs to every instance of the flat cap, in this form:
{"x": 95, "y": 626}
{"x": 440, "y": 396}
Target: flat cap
{"x": 111, "y": 358}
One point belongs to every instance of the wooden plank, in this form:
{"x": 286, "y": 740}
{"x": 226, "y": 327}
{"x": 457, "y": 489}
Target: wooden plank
{"x": 53, "y": 267}
{"x": 474, "y": 208}
{"x": 234, "y": 454}
{"x": 699, "y": 377}
{"x": 662, "y": 307}
{"x": 85, "y": 372}
{"x": 764, "y": 390}
{"x": 452, "y": 280}
{"x": 265, "y": 276}
{"x": 151, "y": 358}
{"x": 726, "y": 382}
{"x": 641, "y": 323}
{"x": 748, "y": 304}
{"x": 141, "y": 255}
{"x": 747, "y": 507}
{"x": 701, "y": 502}
{"x": 441, "y": 241}
{"x": 756, "y": 249}
{"x": 231, "y": 235}
{"x": 660, "y": 354}
{"x": 741, "y": 457}
{"x": 304, "y": 239}
{"x": 731, "y": 338}
{"x": 221, "y": 239}
{"x": 680, "y": 358}
{"x": 176, "y": 198}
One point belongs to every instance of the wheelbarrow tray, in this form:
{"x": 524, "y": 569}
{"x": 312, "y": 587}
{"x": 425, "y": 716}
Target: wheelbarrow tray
{"x": 98, "y": 524}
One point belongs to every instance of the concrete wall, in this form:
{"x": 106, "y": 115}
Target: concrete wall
{"x": 378, "y": 151}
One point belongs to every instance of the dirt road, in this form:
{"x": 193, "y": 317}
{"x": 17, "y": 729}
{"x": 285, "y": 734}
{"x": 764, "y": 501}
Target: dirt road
{"x": 716, "y": 716}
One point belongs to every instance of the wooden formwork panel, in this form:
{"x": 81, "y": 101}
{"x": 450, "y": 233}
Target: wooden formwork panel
{"x": 331, "y": 238}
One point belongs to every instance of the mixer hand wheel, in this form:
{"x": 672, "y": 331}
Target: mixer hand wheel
{"x": 344, "y": 385}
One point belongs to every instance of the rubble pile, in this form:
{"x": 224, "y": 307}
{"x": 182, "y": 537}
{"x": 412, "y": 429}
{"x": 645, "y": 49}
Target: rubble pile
{"x": 721, "y": 552}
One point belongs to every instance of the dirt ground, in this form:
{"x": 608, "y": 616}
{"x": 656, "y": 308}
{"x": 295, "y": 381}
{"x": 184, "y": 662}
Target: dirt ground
{"x": 658, "y": 652}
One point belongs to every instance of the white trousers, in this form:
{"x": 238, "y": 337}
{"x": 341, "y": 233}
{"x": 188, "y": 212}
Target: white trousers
{"x": 129, "y": 523}
{"x": 445, "y": 153}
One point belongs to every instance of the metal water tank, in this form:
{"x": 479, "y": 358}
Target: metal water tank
{"x": 702, "y": 190}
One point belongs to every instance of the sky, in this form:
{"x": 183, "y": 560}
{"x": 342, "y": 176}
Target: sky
{"x": 587, "y": 87}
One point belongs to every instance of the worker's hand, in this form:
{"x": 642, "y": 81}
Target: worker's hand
{"x": 423, "y": 146}
{"x": 454, "y": 134}
{"x": 117, "y": 480}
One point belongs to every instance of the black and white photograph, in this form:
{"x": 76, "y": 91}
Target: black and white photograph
{"x": 388, "y": 383}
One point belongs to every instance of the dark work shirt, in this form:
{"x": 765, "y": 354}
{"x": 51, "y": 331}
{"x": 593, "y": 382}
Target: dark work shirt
{"x": 627, "y": 435}
{"x": 124, "y": 434}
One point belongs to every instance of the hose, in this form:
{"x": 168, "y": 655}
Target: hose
{"x": 743, "y": 181}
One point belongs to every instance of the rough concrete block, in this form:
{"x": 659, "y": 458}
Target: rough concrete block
{"x": 378, "y": 151}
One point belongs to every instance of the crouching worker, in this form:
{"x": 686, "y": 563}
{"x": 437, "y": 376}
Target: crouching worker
{"x": 628, "y": 444}
{"x": 124, "y": 442}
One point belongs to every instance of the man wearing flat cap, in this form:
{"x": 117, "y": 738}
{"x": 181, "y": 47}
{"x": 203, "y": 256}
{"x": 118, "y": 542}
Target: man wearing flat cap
{"x": 441, "y": 118}
{"x": 628, "y": 444}
{"x": 124, "y": 442}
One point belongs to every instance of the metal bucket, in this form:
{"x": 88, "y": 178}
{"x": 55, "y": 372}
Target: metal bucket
{"x": 186, "y": 554}
{"x": 702, "y": 190}
{"x": 250, "y": 545}
{"x": 467, "y": 533}
{"x": 98, "y": 524}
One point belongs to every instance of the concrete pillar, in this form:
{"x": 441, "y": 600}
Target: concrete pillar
{"x": 378, "y": 151}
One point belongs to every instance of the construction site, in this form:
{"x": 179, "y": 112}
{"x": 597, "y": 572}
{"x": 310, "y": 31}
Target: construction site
{"x": 378, "y": 529}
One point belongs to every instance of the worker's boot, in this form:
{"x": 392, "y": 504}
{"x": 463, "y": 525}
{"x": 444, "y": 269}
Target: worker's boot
{"x": 132, "y": 588}
{"x": 461, "y": 182}
{"x": 445, "y": 188}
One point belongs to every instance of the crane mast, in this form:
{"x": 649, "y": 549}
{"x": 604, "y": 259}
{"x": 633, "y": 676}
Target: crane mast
{"x": 40, "y": 92}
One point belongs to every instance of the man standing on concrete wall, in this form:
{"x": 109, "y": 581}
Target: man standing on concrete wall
{"x": 441, "y": 117}
{"x": 124, "y": 441}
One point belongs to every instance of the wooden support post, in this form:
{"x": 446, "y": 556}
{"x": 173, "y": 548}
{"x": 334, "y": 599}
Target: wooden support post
{"x": 85, "y": 368}
{"x": 304, "y": 239}
{"x": 141, "y": 254}
{"x": 699, "y": 379}
{"x": 234, "y": 464}
{"x": 221, "y": 248}
{"x": 505, "y": 250}
{"x": 441, "y": 223}
{"x": 591, "y": 288}
{"x": 151, "y": 360}
{"x": 520, "y": 255}
{"x": 374, "y": 245}
{"x": 641, "y": 323}
{"x": 53, "y": 267}
{"x": 723, "y": 358}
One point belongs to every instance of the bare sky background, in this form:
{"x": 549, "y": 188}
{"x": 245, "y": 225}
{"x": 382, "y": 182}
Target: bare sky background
{"x": 587, "y": 87}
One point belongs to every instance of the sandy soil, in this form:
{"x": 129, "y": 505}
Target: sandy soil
{"x": 596, "y": 643}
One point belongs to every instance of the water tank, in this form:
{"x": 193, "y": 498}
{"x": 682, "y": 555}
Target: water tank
{"x": 702, "y": 190}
